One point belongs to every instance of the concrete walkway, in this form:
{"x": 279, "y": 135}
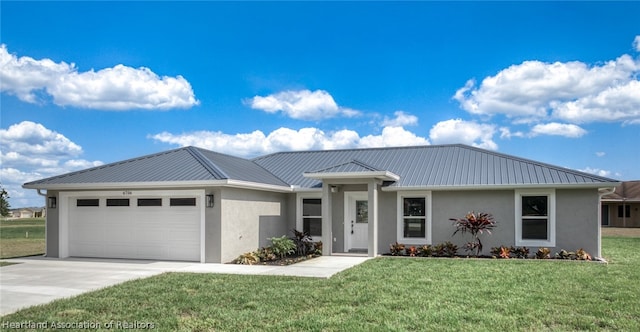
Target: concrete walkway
{"x": 39, "y": 280}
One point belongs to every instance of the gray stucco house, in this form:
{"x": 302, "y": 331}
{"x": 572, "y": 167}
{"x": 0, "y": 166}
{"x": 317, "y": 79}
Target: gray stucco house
{"x": 198, "y": 205}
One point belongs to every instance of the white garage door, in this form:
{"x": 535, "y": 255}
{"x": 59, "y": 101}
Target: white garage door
{"x": 165, "y": 228}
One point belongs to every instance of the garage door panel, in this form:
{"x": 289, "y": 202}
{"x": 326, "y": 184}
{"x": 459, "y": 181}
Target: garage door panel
{"x": 147, "y": 232}
{"x": 88, "y": 248}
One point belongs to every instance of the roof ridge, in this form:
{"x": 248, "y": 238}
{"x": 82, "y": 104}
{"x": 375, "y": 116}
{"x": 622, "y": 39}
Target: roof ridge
{"x": 363, "y": 164}
{"x": 206, "y": 163}
{"x": 240, "y": 158}
{"x": 352, "y": 161}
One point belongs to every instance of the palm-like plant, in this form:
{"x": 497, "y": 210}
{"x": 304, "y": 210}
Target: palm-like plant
{"x": 476, "y": 224}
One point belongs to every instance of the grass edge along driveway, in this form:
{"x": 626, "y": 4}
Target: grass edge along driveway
{"x": 384, "y": 294}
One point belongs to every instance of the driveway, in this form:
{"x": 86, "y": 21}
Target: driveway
{"x": 39, "y": 280}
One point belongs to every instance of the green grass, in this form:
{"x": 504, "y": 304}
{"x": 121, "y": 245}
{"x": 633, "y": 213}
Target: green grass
{"x": 384, "y": 294}
{"x": 21, "y": 237}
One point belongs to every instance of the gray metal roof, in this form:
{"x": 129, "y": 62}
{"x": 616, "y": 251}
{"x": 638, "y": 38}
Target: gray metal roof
{"x": 348, "y": 167}
{"x": 184, "y": 164}
{"x": 432, "y": 166}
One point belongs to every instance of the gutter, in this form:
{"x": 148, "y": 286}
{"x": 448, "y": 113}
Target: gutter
{"x": 602, "y": 192}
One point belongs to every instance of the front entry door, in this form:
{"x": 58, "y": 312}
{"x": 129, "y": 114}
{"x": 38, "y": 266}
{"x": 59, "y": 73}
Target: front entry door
{"x": 356, "y": 221}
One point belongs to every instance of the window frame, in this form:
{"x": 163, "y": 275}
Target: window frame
{"x": 85, "y": 202}
{"x": 624, "y": 211}
{"x": 300, "y": 218}
{"x": 147, "y": 200}
{"x": 116, "y": 202}
{"x": 182, "y": 202}
{"x": 551, "y": 218}
{"x": 400, "y": 217}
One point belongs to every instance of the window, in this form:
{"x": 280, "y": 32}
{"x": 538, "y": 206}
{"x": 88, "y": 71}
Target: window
{"x": 149, "y": 201}
{"x": 626, "y": 209}
{"x": 414, "y": 217}
{"x": 535, "y": 218}
{"x": 312, "y": 216}
{"x": 88, "y": 202}
{"x": 190, "y": 201}
{"x": 414, "y": 212}
{"x": 117, "y": 202}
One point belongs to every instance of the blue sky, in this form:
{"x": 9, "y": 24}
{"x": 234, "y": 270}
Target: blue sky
{"x": 88, "y": 83}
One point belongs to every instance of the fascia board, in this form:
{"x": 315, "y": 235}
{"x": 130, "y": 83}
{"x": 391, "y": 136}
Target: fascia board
{"x": 160, "y": 184}
{"x": 506, "y": 187}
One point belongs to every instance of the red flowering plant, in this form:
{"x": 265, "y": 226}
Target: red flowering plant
{"x": 475, "y": 224}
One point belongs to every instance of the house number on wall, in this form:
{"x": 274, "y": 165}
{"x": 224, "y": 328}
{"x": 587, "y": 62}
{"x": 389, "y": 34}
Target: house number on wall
{"x": 126, "y": 193}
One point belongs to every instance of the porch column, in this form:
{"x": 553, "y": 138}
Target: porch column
{"x": 373, "y": 217}
{"x": 327, "y": 222}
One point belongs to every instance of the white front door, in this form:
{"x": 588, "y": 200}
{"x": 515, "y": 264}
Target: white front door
{"x": 356, "y": 221}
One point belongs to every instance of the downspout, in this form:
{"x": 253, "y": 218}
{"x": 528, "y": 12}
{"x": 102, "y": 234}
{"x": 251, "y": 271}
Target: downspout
{"x": 45, "y": 219}
{"x": 601, "y": 192}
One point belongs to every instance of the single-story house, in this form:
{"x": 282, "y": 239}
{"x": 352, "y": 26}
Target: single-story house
{"x": 620, "y": 208}
{"x": 198, "y": 205}
{"x": 26, "y": 213}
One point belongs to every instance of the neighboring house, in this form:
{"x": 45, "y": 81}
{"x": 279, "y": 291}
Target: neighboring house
{"x": 22, "y": 213}
{"x": 27, "y": 213}
{"x": 198, "y": 205}
{"x": 621, "y": 208}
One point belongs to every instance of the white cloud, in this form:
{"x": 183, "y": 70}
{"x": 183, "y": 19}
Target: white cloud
{"x": 401, "y": 119}
{"x": 557, "y": 129}
{"x": 505, "y": 132}
{"x": 286, "y": 139}
{"x": 636, "y": 43}
{"x": 466, "y": 132}
{"x": 601, "y": 153}
{"x": 596, "y": 171}
{"x": 302, "y": 104}
{"x": 30, "y": 151}
{"x": 118, "y": 88}
{"x": 573, "y": 91}
{"x": 617, "y": 103}
{"x": 32, "y": 140}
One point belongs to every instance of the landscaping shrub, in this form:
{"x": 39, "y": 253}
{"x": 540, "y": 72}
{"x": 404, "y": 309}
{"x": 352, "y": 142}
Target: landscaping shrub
{"x": 248, "y": 258}
{"x": 282, "y": 246}
{"x": 475, "y": 224}
{"x": 543, "y": 253}
{"x": 303, "y": 241}
{"x": 397, "y": 249}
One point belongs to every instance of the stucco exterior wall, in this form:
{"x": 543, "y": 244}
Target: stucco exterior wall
{"x": 213, "y": 228}
{"x": 52, "y": 222}
{"x": 248, "y": 219}
{"x": 577, "y": 220}
{"x": 456, "y": 204}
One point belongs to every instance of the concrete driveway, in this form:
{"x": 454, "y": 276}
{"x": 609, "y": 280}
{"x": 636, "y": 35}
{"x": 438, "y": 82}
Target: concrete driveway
{"x": 39, "y": 280}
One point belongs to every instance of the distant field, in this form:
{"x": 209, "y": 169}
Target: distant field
{"x": 21, "y": 237}
{"x": 615, "y": 231}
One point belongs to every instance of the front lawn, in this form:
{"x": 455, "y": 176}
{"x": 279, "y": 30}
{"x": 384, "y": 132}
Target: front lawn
{"x": 21, "y": 237}
{"x": 396, "y": 294}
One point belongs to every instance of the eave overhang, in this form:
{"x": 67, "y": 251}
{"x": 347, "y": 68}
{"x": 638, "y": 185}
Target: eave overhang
{"x": 159, "y": 184}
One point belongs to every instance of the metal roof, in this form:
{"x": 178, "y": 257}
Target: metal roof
{"x": 432, "y": 166}
{"x": 348, "y": 167}
{"x": 179, "y": 165}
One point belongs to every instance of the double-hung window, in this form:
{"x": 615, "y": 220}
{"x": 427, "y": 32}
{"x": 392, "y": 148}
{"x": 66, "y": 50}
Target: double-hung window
{"x": 414, "y": 217}
{"x": 535, "y": 218}
{"x": 310, "y": 215}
